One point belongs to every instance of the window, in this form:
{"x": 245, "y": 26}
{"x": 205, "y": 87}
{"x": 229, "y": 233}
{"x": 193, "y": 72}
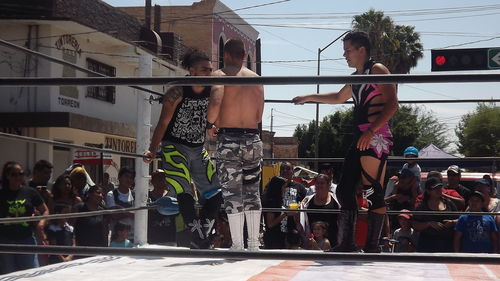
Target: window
{"x": 221, "y": 53}
{"x": 104, "y": 93}
{"x": 249, "y": 62}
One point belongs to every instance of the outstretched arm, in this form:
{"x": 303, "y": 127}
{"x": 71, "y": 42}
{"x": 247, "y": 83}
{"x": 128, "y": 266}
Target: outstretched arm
{"x": 333, "y": 98}
{"x": 170, "y": 101}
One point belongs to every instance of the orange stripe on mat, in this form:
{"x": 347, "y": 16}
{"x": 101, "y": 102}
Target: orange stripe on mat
{"x": 282, "y": 272}
{"x": 467, "y": 272}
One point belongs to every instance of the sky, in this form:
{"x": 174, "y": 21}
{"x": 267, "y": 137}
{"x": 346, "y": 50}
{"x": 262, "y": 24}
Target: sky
{"x": 292, "y": 31}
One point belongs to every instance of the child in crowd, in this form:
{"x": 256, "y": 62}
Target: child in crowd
{"x": 411, "y": 154}
{"x": 405, "y": 235}
{"x": 318, "y": 240}
{"x": 119, "y": 236}
{"x": 476, "y": 233}
{"x": 60, "y": 233}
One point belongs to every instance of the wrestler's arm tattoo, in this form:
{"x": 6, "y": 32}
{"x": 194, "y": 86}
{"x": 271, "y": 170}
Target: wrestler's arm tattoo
{"x": 172, "y": 95}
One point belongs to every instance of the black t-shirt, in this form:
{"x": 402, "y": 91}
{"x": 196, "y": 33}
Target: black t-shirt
{"x": 295, "y": 193}
{"x": 331, "y": 219}
{"x": 161, "y": 228}
{"x": 60, "y": 236}
{"x": 19, "y": 203}
{"x": 90, "y": 231}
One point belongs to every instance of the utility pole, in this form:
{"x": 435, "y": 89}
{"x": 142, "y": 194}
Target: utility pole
{"x": 316, "y": 130}
{"x": 272, "y": 135}
{"x": 141, "y": 168}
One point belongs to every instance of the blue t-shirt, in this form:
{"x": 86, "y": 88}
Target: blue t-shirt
{"x": 476, "y": 233}
{"x": 125, "y": 244}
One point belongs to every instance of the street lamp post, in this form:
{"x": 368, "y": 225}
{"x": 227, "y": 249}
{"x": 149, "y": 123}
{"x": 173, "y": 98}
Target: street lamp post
{"x": 316, "y": 132}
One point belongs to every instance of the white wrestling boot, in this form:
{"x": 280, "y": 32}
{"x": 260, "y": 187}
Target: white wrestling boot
{"x": 253, "y": 228}
{"x": 236, "y": 222}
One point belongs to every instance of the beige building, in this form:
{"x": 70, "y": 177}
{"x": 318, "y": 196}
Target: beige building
{"x": 286, "y": 147}
{"x": 92, "y": 35}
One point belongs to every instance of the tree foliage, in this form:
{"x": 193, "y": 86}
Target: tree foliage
{"x": 398, "y": 47}
{"x": 411, "y": 125}
{"x": 416, "y": 126}
{"x": 479, "y": 132}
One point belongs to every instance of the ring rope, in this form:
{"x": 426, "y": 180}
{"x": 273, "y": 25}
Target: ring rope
{"x": 273, "y": 210}
{"x": 260, "y": 80}
{"x": 401, "y": 101}
{"x": 456, "y": 258}
{"x": 389, "y": 212}
{"x": 136, "y": 155}
{"x": 63, "y": 62}
{"x": 64, "y": 144}
{"x": 389, "y": 159}
{"x": 75, "y": 215}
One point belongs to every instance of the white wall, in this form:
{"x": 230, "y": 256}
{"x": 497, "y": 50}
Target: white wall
{"x": 96, "y": 46}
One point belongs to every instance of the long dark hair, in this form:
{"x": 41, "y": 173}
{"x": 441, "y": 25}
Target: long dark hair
{"x": 56, "y": 191}
{"x": 272, "y": 197}
{"x": 193, "y": 56}
{"x": 7, "y": 168}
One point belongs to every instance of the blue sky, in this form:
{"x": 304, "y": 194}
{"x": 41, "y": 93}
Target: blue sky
{"x": 306, "y": 26}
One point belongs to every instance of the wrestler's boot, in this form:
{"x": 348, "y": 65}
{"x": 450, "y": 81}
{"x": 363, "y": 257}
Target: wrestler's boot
{"x": 253, "y": 228}
{"x": 347, "y": 225}
{"x": 198, "y": 237}
{"x": 375, "y": 224}
{"x": 236, "y": 222}
{"x": 193, "y": 224}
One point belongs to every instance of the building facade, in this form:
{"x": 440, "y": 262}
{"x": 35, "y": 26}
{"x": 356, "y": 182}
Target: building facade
{"x": 90, "y": 34}
{"x": 204, "y": 25}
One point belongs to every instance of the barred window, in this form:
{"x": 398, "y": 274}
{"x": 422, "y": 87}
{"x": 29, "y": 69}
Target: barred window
{"x": 104, "y": 93}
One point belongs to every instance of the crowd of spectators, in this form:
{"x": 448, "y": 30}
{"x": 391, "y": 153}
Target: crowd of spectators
{"x": 75, "y": 191}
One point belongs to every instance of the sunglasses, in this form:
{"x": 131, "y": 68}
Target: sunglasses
{"x": 17, "y": 174}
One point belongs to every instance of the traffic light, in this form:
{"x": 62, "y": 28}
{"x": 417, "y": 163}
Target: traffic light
{"x": 459, "y": 59}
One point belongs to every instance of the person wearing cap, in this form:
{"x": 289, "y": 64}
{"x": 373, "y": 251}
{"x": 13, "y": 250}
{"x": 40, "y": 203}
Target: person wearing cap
{"x": 405, "y": 235}
{"x": 411, "y": 155}
{"x": 454, "y": 175}
{"x": 450, "y": 194}
{"x": 436, "y": 231}
{"x": 405, "y": 190}
{"x": 403, "y": 195}
{"x": 491, "y": 202}
{"x": 476, "y": 233}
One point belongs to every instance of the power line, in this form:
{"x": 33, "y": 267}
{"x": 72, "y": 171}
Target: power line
{"x": 428, "y": 91}
{"x": 471, "y": 42}
{"x": 227, "y": 11}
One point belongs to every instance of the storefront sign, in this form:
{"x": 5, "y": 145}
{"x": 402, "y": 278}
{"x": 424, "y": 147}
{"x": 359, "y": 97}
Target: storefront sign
{"x": 68, "y": 102}
{"x": 66, "y": 41}
{"x": 120, "y": 144}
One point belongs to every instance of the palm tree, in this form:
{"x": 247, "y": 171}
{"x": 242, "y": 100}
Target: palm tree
{"x": 396, "y": 46}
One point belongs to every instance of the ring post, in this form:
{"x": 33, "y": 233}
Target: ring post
{"x": 142, "y": 169}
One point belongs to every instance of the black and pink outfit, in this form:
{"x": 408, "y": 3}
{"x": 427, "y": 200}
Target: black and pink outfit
{"x": 363, "y": 94}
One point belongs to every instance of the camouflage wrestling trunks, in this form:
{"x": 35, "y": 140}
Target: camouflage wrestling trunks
{"x": 238, "y": 161}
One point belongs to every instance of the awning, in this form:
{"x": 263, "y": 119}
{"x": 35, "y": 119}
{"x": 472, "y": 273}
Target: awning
{"x": 89, "y": 158}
